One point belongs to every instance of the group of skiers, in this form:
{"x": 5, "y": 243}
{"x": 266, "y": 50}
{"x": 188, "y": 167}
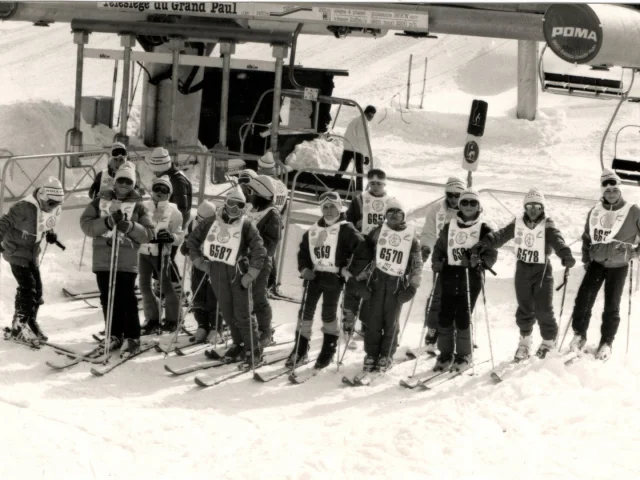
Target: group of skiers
{"x": 367, "y": 260}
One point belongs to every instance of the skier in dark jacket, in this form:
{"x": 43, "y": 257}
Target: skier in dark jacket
{"x": 535, "y": 237}
{"x": 607, "y": 247}
{"x": 394, "y": 251}
{"x": 461, "y": 278}
{"x": 22, "y": 229}
{"x": 104, "y": 179}
{"x": 324, "y": 252}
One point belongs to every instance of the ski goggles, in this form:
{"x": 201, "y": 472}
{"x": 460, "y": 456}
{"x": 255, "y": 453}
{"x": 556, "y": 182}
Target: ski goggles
{"x": 124, "y": 181}
{"x": 232, "y": 203}
{"x": 53, "y": 203}
{"x": 534, "y": 206}
{"x": 329, "y": 197}
{"x": 162, "y": 189}
{"x": 244, "y": 180}
{"x": 453, "y": 195}
{"x": 469, "y": 203}
{"x": 611, "y": 182}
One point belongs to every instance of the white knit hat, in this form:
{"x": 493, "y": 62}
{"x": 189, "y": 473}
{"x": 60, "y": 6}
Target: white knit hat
{"x": 534, "y": 196}
{"x": 454, "y": 185}
{"x": 267, "y": 161}
{"x": 51, "y": 189}
{"x": 160, "y": 160}
{"x": 469, "y": 194}
{"x": 393, "y": 203}
{"x": 206, "y": 209}
{"x": 127, "y": 170}
{"x": 609, "y": 175}
{"x": 163, "y": 180}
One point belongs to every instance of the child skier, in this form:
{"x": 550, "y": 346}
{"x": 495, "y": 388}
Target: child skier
{"x": 461, "y": 277}
{"x": 535, "y": 236}
{"x": 22, "y": 230}
{"x": 122, "y": 208}
{"x": 324, "y": 250}
{"x": 229, "y": 249}
{"x": 264, "y": 215}
{"x": 168, "y": 233}
{"x": 395, "y": 251}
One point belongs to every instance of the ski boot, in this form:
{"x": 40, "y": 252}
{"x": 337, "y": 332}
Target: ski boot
{"x": 577, "y": 342}
{"x": 328, "y": 350}
{"x": 130, "y": 346}
{"x": 369, "y": 363}
{"x": 35, "y": 328}
{"x": 252, "y": 359}
{"x": 266, "y": 337}
{"x": 545, "y": 347}
{"x": 235, "y": 353}
{"x": 150, "y": 327}
{"x": 114, "y": 344}
{"x": 169, "y": 326}
{"x": 444, "y": 362}
{"x": 604, "y": 351}
{"x": 461, "y": 363}
{"x": 384, "y": 363}
{"x": 524, "y": 348}
{"x": 201, "y": 335}
{"x": 21, "y": 331}
{"x": 300, "y": 354}
{"x": 431, "y": 341}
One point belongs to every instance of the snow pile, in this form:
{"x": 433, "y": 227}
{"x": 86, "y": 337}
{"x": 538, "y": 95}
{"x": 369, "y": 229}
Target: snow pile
{"x": 318, "y": 153}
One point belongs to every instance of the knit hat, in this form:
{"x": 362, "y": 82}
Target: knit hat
{"x": 264, "y": 186}
{"x": 470, "y": 194}
{"x": 393, "y": 204}
{"x": 163, "y": 180}
{"x": 534, "y": 196}
{"x": 206, "y": 209}
{"x": 267, "y": 161}
{"x": 454, "y": 185}
{"x": 609, "y": 175}
{"x": 126, "y": 170}
{"x": 160, "y": 160}
{"x": 332, "y": 198}
{"x": 51, "y": 189}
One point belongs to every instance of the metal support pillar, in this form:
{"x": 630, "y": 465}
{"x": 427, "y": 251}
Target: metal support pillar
{"x": 128, "y": 42}
{"x": 280, "y": 52}
{"x": 226, "y": 49}
{"x": 527, "y": 79}
{"x": 75, "y": 134}
{"x": 176, "y": 44}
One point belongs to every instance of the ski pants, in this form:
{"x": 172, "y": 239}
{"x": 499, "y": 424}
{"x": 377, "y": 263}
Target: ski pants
{"x": 261, "y": 305}
{"x": 125, "y": 322}
{"x": 29, "y": 292}
{"x": 358, "y": 158}
{"x": 535, "y": 299}
{"x": 205, "y": 304}
{"x": 273, "y": 275}
{"x": 594, "y": 277}
{"x": 235, "y": 304}
{"x": 432, "y": 316}
{"x": 147, "y": 265}
{"x": 381, "y": 335}
{"x": 328, "y": 286}
{"x": 351, "y": 302}
{"x": 456, "y": 311}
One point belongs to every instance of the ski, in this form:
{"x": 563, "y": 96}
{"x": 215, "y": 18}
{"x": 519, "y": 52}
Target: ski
{"x": 283, "y": 298}
{"x": 211, "y": 381}
{"x": 90, "y": 293}
{"x": 197, "y": 367}
{"x": 267, "y": 376}
{"x": 306, "y": 375}
{"x": 448, "y": 375}
{"x": 99, "y": 372}
{"x": 212, "y": 354}
{"x": 413, "y": 354}
{"x": 498, "y": 375}
{"x": 180, "y": 343}
{"x": 364, "y": 379}
{"x": 412, "y": 381}
{"x": 193, "y": 347}
{"x": 94, "y": 356}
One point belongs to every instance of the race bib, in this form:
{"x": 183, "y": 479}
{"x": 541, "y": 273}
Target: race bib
{"x": 222, "y": 243}
{"x": 323, "y": 242}
{"x": 393, "y": 249}
{"x": 461, "y": 240}
{"x": 605, "y": 224}
{"x": 530, "y": 243}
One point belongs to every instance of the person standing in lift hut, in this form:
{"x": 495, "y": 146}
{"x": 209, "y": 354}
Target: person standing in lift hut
{"x": 607, "y": 248}
{"x": 22, "y": 230}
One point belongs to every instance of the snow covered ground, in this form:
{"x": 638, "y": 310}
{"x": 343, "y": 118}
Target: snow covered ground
{"x": 548, "y": 420}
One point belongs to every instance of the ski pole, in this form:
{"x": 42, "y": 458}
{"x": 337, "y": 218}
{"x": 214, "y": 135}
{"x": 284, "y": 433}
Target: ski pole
{"x": 424, "y": 328}
{"x": 251, "y": 332}
{"x": 84, "y": 242}
{"x": 629, "y": 310}
{"x": 181, "y": 314}
{"x": 486, "y": 319}
{"x": 115, "y": 251}
{"x": 44, "y": 251}
{"x": 393, "y": 338}
{"x": 563, "y": 286}
{"x": 466, "y": 274}
{"x": 300, "y": 321}
{"x": 406, "y": 320}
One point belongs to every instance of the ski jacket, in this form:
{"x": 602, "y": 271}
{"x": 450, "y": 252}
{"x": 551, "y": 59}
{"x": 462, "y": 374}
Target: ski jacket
{"x": 182, "y": 194}
{"x": 553, "y": 239}
{"x": 348, "y": 240}
{"x": 434, "y": 225}
{"x": 355, "y": 136}
{"x": 613, "y": 254}
{"x": 270, "y": 229}
{"x": 92, "y": 223}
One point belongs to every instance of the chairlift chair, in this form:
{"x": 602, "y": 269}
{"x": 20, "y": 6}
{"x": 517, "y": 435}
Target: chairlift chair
{"x": 627, "y": 169}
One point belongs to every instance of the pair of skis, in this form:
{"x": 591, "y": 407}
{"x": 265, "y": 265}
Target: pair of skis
{"x": 429, "y": 379}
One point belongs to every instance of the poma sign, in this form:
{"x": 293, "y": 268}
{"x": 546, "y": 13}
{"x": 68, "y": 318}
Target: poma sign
{"x": 573, "y": 32}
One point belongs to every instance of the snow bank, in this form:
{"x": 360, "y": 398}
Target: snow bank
{"x": 318, "y": 153}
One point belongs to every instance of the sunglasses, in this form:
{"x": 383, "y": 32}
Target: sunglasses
{"x": 232, "y": 202}
{"x": 162, "y": 189}
{"x": 469, "y": 203}
{"x": 394, "y": 211}
{"x": 118, "y": 152}
{"x": 124, "y": 181}
{"x": 533, "y": 206}
{"x": 376, "y": 184}
{"x": 453, "y": 195}
{"x": 610, "y": 183}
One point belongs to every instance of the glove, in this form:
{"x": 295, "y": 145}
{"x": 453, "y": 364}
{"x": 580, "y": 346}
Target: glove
{"x": 568, "y": 262}
{"x": 124, "y": 226}
{"x": 363, "y": 290}
{"x": 308, "y": 274}
{"x": 51, "y": 237}
{"x": 437, "y": 265}
{"x": 586, "y": 266}
{"x": 478, "y": 248}
{"x": 474, "y": 261}
{"x": 346, "y": 274}
{"x": 465, "y": 262}
{"x": 201, "y": 264}
{"x": 348, "y": 323}
{"x": 246, "y": 280}
{"x": 359, "y": 224}
{"x": 164, "y": 236}
{"x": 115, "y": 218}
{"x": 426, "y": 251}
{"x": 366, "y": 160}
{"x": 407, "y": 294}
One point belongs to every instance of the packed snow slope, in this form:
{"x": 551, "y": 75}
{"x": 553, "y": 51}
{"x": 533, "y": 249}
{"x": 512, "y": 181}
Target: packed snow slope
{"x": 546, "y": 421}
